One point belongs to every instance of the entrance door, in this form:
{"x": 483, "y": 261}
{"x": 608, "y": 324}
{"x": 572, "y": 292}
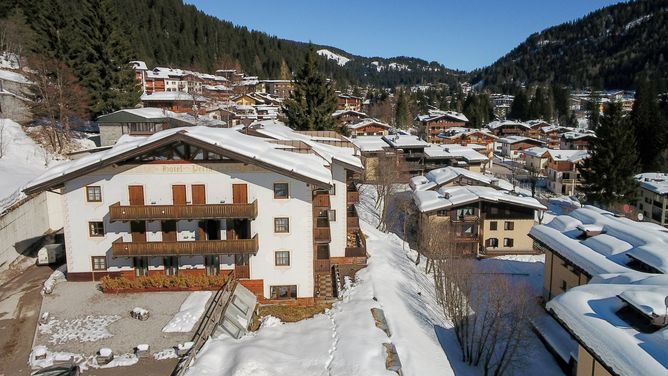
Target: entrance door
{"x": 242, "y": 266}
{"x": 136, "y": 194}
{"x": 239, "y": 193}
{"x": 138, "y": 230}
{"x": 212, "y": 264}
{"x": 179, "y": 194}
{"x": 199, "y": 194}
{"x": 168, "y": 231}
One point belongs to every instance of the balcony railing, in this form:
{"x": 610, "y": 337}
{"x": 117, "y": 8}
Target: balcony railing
{"x": 353, "y": 223}
{"x": 322, "y": 266}
{"x": 119, "y": 248}
{"x": 465, "y": 238}
{"x": 118, "y": 212}
{"x": 321, "y": 200}
{"x": 322, "y": 235}
{"x": 352, "y": 197}
{"x": 466, "y": 218}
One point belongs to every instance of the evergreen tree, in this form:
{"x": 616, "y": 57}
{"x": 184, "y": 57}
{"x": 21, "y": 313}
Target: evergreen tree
{"x": 648, "y": 125}
{"x": 478, "y": 110}
{"x": 402, "y": 115}
{"x": 519, "y": 109}
{"x": 313, "y": 100}
{"x": 608, "y": 173}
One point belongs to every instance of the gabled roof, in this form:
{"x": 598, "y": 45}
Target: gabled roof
{"x": 338, "y": 113}
{"x": 310, "y": 168}
{"x": 452, "y": 197}
{"x": 572, "y": 156}
{"x": 537, "y": 152}
{"x": 166, "y": 96}
{"x": 656, "y": 182}
{"x": 405, "y": 141}
{"x": 442, "y": 176}
{"x": 366, "y": 122}
{"x": 145, "y": 114}
{"x": 518, "y": 139}
{"x": 438, "y": 114}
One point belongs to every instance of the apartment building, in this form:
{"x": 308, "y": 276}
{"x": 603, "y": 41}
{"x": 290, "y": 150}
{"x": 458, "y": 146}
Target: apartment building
{"x": 139, "y": 122}
{"x": 652, "y": 197}
{"x": 436, "y": 122}
{"x": 604, "y": 285}
{"x": 199, "y": 200}
{"x": 514, "y": 146}
{"x": 471, "y": 220}
{"x": 563, "y": 175}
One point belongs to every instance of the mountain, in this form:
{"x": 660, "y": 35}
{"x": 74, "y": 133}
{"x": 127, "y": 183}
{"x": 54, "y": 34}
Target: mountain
{"x": 168, "y": 32}
{"x": 609, "y": 48}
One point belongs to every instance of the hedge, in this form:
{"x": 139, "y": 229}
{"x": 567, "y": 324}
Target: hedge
{"x": 163, "y": 281}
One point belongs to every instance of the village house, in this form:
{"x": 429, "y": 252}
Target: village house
{"x": 175, "y": 101}
{"x": 473, "y": 220}
{"x": 139, "y": 122}
{"x": 206, "y": 201}
{"x": 652, "y": 197}
{"x": 451, "y": 176}
{"x": 470, "y": 137}
{"x": 469, "y": 156}
{"x": 604, "y": 285}
{"x": 563, "y": 175}
{"x": 344, "y": 117}
{"x": 278, "y": 88}
{"x": 368, "y": 127}
{"x": 437, "y": 122}
{"x": 551, "y": 135}
{"x": 505, "y": 128}
{"x": 535, "y": 160}
{"x": 513, "y": 146}
{"x": 348, "y": 102}
{"x": 576, "y": 140}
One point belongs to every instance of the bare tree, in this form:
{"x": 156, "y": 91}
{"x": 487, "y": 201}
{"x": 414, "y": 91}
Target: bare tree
{"x": 388, "y": 173}
{"x": 58, "y": 98}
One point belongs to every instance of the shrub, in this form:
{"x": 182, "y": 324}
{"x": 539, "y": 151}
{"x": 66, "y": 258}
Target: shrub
{"x": 163, "y": 281}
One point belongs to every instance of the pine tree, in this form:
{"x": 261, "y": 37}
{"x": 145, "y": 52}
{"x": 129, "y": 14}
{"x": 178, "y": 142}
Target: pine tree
{"x": 313, "y": 100}
{"x": 648, "y": 125}
{"x": 402, "y": 115}
{"x": 608, "y": 173}
{"x": 519, "y": 109}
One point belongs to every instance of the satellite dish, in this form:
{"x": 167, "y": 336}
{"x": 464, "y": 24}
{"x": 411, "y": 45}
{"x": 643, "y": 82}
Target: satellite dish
{"x": 640, "y": 218}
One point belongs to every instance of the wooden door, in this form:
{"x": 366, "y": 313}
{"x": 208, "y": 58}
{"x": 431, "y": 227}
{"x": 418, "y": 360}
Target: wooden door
{"x": 239, "y": 193}
{"x": 199, "y": 194}
{"x": 179, "y": 194}
{"x": 168, "y": 231}
{"x": 136, "y": 194}
{"x": 231, "y": 231}
{"x": 138, "y": 230}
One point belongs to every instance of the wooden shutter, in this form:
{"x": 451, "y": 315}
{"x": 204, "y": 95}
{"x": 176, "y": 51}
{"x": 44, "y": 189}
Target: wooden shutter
{"x": 136, "y": 194}
{"x": 199, "y": 194}
{"x": 239, "y": 193}
{"x": 179, "y": 194}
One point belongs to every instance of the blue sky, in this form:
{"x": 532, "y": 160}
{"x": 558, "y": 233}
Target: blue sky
{"x": 465, "y": 34}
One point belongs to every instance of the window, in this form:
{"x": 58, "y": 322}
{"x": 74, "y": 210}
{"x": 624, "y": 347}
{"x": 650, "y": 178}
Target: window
{"x": 322, "y": 251}
{"x": 442, "y": 213}
{"x": 282, "y": 258}
{"x": 331, "y": 215}
{"x": 99, "y": 263}
{"x": 282, "y": 225}
{"x": 283, "y": 292}
{"x": 96, "y": 228}
{"x": 493, "y": 225}
{"x": 492, "y": 242}
{"x": 281, "y": 190}
{"x": 509, "y": 225}
{"x": 507, "y": 242}
{"x": 93, "y": 193}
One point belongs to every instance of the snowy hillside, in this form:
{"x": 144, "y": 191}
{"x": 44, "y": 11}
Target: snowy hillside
{"x": 340, "y": 59}
{"x": 345, "y": 340}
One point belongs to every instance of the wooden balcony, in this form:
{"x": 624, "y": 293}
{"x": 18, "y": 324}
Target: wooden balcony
{"x": 118, "y": 212}
{"x": 352, "y": 197}
{"x": 353, "y": 223}
{"x": 466, "y": 218}
{"x": 466, "y": 238}
{"x": 355, "y": 252}
{"x": 119, "y": 248}
{"x": 322, "y": 235}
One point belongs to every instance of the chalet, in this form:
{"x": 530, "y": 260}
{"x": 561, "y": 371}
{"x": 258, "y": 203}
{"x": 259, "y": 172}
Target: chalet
{"x": 577, "y": 140}
{"x": 207, "y": 201}
{"x": 246, "y": 100}
{"x": 349, "y": 102}
{"x": 551, "y": 135}
{"x": 652, "y": 197}
{"x": 368, "y": 127}
{"x": 563, "y": 175}
{"x": 409, "y": 152}
{"x": 437, "y": 122}
{"x": 513, "y": 146}
{"x": 348, "y": 116}
{"x": 278, "y": 88}
{"x": 139, "y": 122}
{"x": 175, "y": 101}
{"x": 535, "y": 160}
{"x": 220, "y": 93}
{"x": 505, "y": 128}
{"x": 470, "y": 136}
{"x": 471, "y": 220}
{"x": 605, "y": 289}
{"x": 453, "y": 176}
{"x": 437, "y": 156}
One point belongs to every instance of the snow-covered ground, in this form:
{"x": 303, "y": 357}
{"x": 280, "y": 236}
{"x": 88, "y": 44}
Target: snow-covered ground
{"x": 189, "y": 313}
{"x": 345, "y": 341}
{"x": 89, "y": 328}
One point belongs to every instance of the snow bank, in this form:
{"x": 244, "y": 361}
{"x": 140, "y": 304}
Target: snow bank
{"x": 189, "y": 313}
{"x": 58, "y": 275}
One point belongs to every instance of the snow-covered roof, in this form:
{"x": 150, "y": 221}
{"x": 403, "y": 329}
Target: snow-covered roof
{"x": 441, "y": 176}
{"x": 366, "y": 122}
{"x": 576, "y": 135}
{"x": 405, "y": 141}
{"x": 369, "y": 144}
{"x": 13, "y": 76}
{"x": 139, "y": 65}
{"x": 536, "y": 152}
{"x": 450, "y": 197}
{"x": 656, "y": 182}
{"x": 438, "y": 114}
{"x": 338, "y": 113}
{"x": 454, "y": 151}
{"x": 589, "y": 312}
{"x": 572, "y": 156}
{"x": 458, "y": 132}
{"x": 518, "y": 139}
{"x": 250, "y": 149}
{"x": 609, "y": 252}
{"x": 505, "y": 123}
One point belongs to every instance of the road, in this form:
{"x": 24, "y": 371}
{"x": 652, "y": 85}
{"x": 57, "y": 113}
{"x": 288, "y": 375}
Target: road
{"x": 20, "y": 302}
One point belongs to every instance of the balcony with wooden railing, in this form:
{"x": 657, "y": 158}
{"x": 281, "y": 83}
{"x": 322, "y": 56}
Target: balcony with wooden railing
{"x": 321, "y": 200}
{"x": 323, "y": 265}
{"x": 322, "y": 235}
{"x": 352, "y": 197}
{"x": 119, "y": 248}
{"x": 466, "y": 238}
{"x": 118, "y": 212}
